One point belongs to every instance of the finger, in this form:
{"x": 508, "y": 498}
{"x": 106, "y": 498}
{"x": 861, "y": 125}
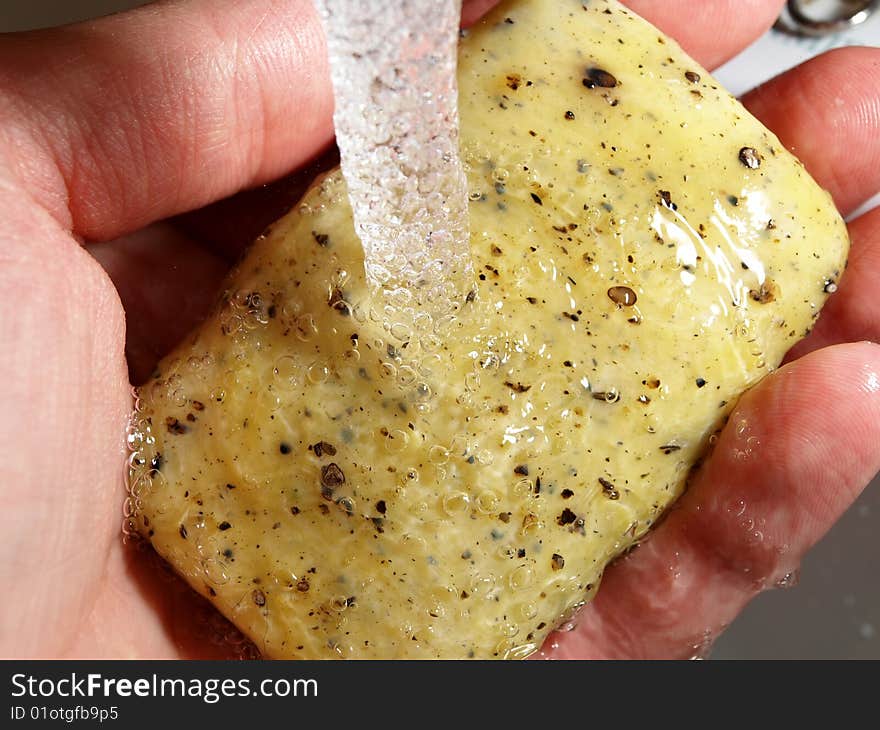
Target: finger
{"x": 126, "y": 120}
{"x": 711, "y": 32}
{"x": 853, "y": 312}
{"x": 65, "y": 404}
{"x": 119, "y": 122}
{"x": 167, "y": 284}
{"x": 827, "y": 111}
{"x": 795, "y": 454}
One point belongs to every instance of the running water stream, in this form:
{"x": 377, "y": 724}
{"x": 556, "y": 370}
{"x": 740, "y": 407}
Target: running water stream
{"x": 393, "y": 68}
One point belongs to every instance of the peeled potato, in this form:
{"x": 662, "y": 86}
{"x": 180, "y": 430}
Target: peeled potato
{"x": 645, "y": 251}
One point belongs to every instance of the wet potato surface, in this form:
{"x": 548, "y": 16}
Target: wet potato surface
{"x": 645, "y": 251}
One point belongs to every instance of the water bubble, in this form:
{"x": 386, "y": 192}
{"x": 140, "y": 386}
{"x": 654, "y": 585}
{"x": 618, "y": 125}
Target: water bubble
{"x": 351, "y": 356}
{"x": 388, "y": 370}
{"x": 401, "y": 332}
{"x": 527, "y": 611}
{"x": 472, "y": 381}
{"x": 520, "y": 578}
{"x": 456, "y": 503}
{"x": 423, "y": 322}
{"x": 867, "y": 631}
{"x": 485, "y": 457}
{"x": 305, "y": 327}
{"x": 286, "y": 371}
{"x": 318, "y": 373}
{"x": 438, "y": 454}
{"x": 483, "y": 585}
{"x": 396, "y": 441}
{"x": 406, "y": 375}
{"x": 218, "y": 395}
{"x": 487, "y": 502}
{"x": 430, "y": 342}
{"x": 459, "y": 445}
{"x": 174, "y": 391}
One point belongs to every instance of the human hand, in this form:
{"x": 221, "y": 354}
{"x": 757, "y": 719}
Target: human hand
{"x": 106, "y": 127}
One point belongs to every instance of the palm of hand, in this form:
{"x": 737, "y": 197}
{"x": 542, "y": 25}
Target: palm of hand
{"x": 101, "y": 137}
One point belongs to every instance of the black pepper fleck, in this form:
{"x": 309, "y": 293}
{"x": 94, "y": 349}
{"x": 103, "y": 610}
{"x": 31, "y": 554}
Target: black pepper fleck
{"x": 566, "y": 517}
{"x": 622, "y": 296}
{"x": 597, "y": 77}
{"x": 750, "y": 157}
{"x": 609, "y": 489}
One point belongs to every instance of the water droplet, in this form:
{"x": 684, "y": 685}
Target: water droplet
{"x": 789, "y": 580}
{"x": 867, "y": 631}
{"x": 701, "y": 649}
{"x": 215, "y": 571}
{"x": 521, "y": 651}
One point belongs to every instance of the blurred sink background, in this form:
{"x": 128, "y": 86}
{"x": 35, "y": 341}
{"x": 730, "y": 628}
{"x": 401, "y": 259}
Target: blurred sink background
{"x": 834, "y": 611}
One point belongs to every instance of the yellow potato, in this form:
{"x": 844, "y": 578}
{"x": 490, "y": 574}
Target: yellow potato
{"x": 646, "y": 250}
